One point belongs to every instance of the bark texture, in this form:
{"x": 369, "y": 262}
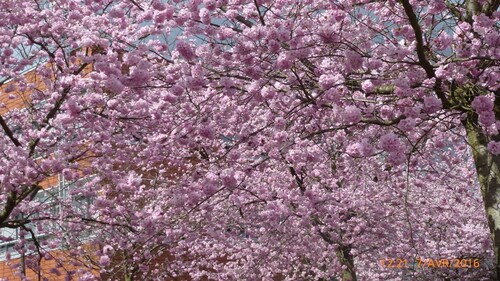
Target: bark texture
{"x": 487, "y": 168}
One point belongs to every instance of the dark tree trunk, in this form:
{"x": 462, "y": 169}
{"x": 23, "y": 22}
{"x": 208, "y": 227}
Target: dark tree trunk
{"x": 346, "y": 259}
{"x": 488, "y": 173}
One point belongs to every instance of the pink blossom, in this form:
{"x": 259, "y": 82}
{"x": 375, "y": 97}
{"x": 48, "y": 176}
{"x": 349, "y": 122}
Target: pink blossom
{"x": 209, "y": 188}
{"x": 205, "y": 16}
{"x": 390, "y": 142}
{"x": 437, "y": 7}
{"x": 274, "y": 46}
{"x": 353, "y": 149}
{"x": 116, "y": 12}
{"x": 482, "y": 104}
{"x": 228, "y": 178}
{"x": 279, "y": 123}
{"x": 157, "y": 5}
{"x": 177, "y": 90}
{"x": 104, "y": 261}
{"x": 169, "y": 97}
{"x": 226, "y": 82}
{"x": 487, "y": 118}
{"x": 396, "y": 158}
{"x": 442, "y": 72}
{"x": 207, "y": 131}
{"x": 169, "y": 12}
{"x": 112, "y": 103}
{"x": 494, "y": 147}
{"x": 361, "y": 148}
{"x": 284, "y": 62}
{"x": 185, "y": 50}
{"x": 351, "y": 114}
{"x": 10, "y": 88}
{"x": 139, "y": 74}
{"x": 101, "y": 90}
{"x": 114, "y": 85}
{"x": 8, "y": 52}
{"x": 274, "y": 153}
{"x": 407, "y": 124}
{"x": 210, "y": 4}
{"x": 432, "y": 104}
{"x": 443, "y": 41}
{"x": 326, "y": 81}
{"x": 268, "y": 93}
{"x": 354, "y": 60}
{"x": 412, "y": 112}
{"x": 367, "y": 86}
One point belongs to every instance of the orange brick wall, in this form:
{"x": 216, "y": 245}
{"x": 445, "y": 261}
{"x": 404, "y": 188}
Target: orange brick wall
{"x": 10, "y": 270}
{"x": 17, "y": 99}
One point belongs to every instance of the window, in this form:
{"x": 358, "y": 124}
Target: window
{"x": 51, "y": 201}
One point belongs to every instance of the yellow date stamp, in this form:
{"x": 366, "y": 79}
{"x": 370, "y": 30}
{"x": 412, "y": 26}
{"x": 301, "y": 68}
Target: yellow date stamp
{"x": 395, "y": 263}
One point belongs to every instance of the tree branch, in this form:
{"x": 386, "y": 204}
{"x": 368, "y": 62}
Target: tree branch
{"x": 9, "y": 132}
{"x": 261, "y": 18}
{"x": 421, "y": 49}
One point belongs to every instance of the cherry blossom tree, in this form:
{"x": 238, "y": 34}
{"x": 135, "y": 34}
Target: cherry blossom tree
{"x": 252, "y": 140}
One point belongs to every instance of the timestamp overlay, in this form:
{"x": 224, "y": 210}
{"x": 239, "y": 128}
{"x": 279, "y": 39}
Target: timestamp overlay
{"x": 396, "y": 263}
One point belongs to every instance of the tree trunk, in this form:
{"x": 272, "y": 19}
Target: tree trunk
{"x": 487, "y": 168}
{"x": 343, "y": 251}
{"x": 347, "y": 260}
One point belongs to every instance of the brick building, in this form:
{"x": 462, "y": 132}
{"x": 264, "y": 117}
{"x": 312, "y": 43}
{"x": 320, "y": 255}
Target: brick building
{"x": 56, "y": 262}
